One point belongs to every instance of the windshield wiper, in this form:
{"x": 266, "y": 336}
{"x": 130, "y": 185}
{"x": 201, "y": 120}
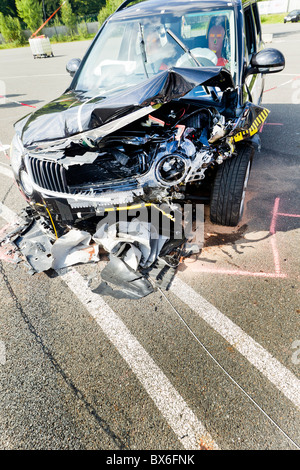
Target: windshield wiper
{"x": 143, "y": 49}
{"x": 189, "y": 52}
{"x": 183, "y": 46}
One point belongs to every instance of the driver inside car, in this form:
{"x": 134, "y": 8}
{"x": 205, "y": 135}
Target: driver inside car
{"x": 156, "y": 51}
{"x": 215, "y": 43}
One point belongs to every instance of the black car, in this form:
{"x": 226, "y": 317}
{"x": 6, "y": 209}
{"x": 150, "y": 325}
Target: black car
{"x": 116, "y": 134}
{"x": 293, "y": 16}
{"x": 164, "y": 106}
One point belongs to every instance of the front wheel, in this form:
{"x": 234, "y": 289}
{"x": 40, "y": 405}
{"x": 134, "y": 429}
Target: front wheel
{"x": 229, "y": 188}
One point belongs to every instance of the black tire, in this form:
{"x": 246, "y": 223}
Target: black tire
{"x": 229, "y": 188}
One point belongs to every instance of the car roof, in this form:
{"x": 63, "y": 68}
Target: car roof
{"x": 151, "y": 7}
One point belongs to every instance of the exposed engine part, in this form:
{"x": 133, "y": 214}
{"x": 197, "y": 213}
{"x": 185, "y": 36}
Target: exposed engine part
{"x": 171, "y": 169}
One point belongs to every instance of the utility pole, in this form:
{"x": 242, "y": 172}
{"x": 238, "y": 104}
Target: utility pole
{"x": 44, "y": 11}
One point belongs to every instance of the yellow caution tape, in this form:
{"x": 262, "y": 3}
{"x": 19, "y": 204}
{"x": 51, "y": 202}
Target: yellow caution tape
{"x": 254, "y": 127}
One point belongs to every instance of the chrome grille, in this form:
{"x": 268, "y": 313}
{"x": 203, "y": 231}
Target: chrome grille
{"x": 47, "y": 174}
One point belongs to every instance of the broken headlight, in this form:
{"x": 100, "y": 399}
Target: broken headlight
{"x": 16, "y": 152}
{"x": 26, "y": 183}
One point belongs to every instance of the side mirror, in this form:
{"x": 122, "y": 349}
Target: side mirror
{"x": 266, "y": 61}
{"x": 72, "y": 66}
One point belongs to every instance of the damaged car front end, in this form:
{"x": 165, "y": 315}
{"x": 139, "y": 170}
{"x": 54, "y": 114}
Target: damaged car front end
{"x": 149, "y": 115}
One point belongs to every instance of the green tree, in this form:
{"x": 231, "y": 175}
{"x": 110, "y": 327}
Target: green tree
{"x": 11, "y": 29}
{"x": 51, "y": 6}
{"x": 87, "y": 7}
{"x": 8, "y": 7}
{"x": 31, "y": 12}
{"x": 110, "y": 7}
{"x": 68, "y": 18}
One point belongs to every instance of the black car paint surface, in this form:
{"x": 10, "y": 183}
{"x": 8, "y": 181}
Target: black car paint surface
{"x": 59, "y": 119}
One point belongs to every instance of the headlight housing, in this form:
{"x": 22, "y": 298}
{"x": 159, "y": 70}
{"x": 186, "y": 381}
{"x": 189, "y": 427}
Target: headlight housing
{"x": 26, "y": 183}
{"x": 16, "y": 152}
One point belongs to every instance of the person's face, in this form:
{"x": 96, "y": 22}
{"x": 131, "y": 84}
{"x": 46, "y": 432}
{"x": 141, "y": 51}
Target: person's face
{"x": 215, "y": 39}
{"x": 152, "y": 43}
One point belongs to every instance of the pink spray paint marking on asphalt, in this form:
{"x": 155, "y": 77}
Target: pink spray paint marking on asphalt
{"x": 275, "y": 252}
{"x": 283, "y": 84}
{"x": 7, "y": 255}
{"x": 7, "y": 252}
{"x": 288, "y": 215}
{"x": 270, "y": 124}
{"x": 17, "y": 102}
{"x": 273, "y": 238}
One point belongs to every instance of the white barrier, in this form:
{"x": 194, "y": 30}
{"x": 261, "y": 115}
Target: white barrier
{"x": 278, "y": 6}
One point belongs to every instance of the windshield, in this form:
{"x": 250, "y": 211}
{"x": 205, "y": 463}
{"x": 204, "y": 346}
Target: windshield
{"x": 129, "y": 51}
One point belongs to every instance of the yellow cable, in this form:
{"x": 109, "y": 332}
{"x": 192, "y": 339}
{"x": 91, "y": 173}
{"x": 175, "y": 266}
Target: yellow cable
{"x": 109, "y": 209}
{"x": 53, "y": 225}
{"x": 139, "y": 206}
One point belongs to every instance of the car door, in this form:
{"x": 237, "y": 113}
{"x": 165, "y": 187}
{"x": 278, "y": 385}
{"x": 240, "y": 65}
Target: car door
{"x": 253, "y": 87}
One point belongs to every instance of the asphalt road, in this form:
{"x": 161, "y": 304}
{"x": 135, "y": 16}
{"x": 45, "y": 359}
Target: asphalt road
{"x": 212, "y": 363}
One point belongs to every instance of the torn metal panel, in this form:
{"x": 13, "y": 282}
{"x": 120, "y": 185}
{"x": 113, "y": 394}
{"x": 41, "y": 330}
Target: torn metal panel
{"x": 150, "y": 161}
{"x": 75, "y": 118}
{"x": 73, "y": 248}
{"x": 36, "y": 247}
{"x": 141, "y": 238}
{"x": 130, "y": 283}
{"x": 140, "y": 259}
{"x": 139, "y": 256}
{"x": 250, "y": 122}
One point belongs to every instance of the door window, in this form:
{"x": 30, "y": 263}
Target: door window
{"x": 250, "y": 32}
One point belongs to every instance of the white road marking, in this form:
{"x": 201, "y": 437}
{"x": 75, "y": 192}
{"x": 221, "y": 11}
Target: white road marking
{"x": 2, "y": 353}
{"x": 9, "y": 215}
{"x": 3, "y": 148}
{"x": 289, "y": 75}
{"x": 35, "y": 76}
{"x": 166, "y": 398}
{"x": 271, "y": 368}
{"x": 184, "y": 423}
{"x": 6, "y": 171}
{"x": 180, "y": 417}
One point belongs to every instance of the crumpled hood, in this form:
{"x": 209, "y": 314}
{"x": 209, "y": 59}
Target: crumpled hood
{"x": 72, "y": 113}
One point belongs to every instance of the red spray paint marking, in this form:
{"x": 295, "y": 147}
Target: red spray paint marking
{"x": 288, "y": 215}
{"x": 17, "y": 102}
{"x": 274, "y": 217}
{"x": 276, "y": 258}
{"x": 282, "y": 84}
{"x": 273, "y": 238}
{"x": 273, "y": 231}
{"x": 270, "y": 124}
{"x": 7, "y": 255}
{"x": 237, "y": 272}
{"x": 6, "y": 252}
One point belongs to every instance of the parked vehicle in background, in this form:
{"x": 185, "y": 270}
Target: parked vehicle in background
{"x": 293, "y": 16}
